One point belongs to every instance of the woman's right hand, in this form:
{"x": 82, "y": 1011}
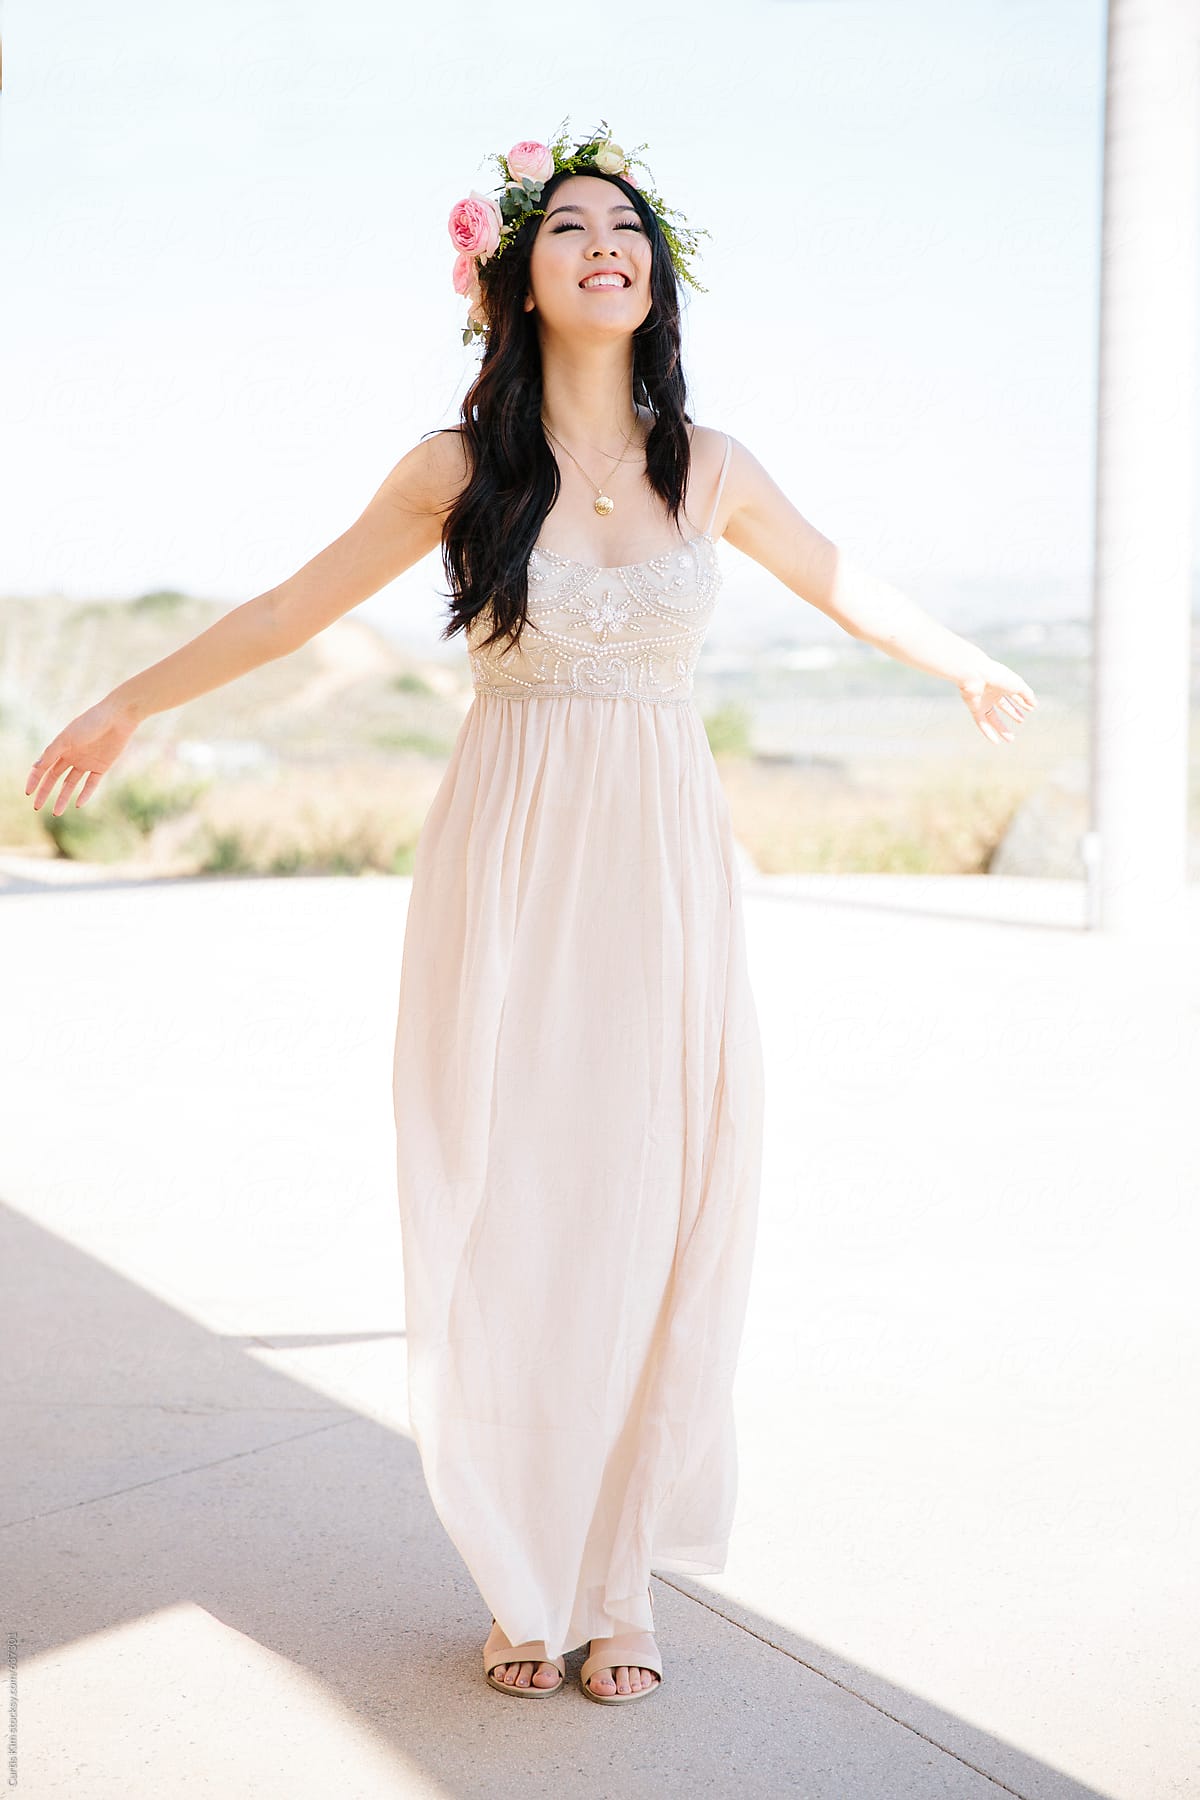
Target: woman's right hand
{"x": 88, "y": 746}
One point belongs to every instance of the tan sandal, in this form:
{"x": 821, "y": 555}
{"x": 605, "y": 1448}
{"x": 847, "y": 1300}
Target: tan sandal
{"x": 630, "y": 1650}
{"x": 498, "y": 1650}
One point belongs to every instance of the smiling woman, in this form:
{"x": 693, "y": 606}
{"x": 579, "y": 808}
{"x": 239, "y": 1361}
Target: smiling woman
{"x": 576, "y": 1272}
{"x": 577, "y": 1076}
{"x": 545, "y": 321}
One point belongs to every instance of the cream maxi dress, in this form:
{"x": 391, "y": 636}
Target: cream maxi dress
{"x": 578, "y": 1099}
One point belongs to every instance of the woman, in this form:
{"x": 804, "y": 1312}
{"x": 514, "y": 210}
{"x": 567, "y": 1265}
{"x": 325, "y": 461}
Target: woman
{"x": 578, "y": 1077}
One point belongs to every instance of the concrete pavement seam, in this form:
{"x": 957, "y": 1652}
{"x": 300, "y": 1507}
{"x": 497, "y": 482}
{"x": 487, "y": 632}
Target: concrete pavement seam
{"x": 351, "y": 1418}
{"x": 905, "y": 1724}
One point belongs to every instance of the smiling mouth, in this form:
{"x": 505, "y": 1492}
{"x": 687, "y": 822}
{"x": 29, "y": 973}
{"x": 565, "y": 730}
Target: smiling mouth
{"x": 620, "y": 275}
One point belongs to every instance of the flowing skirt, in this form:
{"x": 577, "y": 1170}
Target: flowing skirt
{"x": 578, "y": 1087}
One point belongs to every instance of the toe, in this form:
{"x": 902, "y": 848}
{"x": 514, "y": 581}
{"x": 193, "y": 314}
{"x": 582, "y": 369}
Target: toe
{"x": 528, "y": 1674}
{"x": 622, "y": 1680}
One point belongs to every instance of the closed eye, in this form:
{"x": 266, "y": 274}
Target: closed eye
{"x": 571, "y": 225}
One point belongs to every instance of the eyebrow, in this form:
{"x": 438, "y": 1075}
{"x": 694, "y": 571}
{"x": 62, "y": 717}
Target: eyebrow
{"x": 621, "y": 206}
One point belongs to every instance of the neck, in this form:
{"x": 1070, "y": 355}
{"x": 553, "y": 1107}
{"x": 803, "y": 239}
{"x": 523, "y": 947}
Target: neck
{"x": 587, "y": 397}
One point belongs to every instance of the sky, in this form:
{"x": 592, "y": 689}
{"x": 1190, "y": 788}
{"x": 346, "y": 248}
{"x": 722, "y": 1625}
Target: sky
{"x": 232, "y": 310}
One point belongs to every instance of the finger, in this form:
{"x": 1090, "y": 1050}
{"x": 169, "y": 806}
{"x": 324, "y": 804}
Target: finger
{"x": 90, "y": 786}
{"x": 35, "y": 775}
{"x": 68, "y": 788}
{"x": 35, "y": 771}
{"x": 46, "y": 785}
{"x": 78, "y": 777}
{"x": 49, "y": 763}
{"x": 1011, "y": 708}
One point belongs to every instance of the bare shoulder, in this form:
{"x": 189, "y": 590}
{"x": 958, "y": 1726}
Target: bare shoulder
{"x": 758, "y": 518}
{"x": 430, "y": 477}
{"x": 708, "y": 445}
{"x": 402, "y": 522}
{"x": 749, "y": 488}
{"x": 708, "y": 458}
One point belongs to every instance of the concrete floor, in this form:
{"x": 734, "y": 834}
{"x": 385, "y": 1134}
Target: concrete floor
{"x": 965, "y": 1557}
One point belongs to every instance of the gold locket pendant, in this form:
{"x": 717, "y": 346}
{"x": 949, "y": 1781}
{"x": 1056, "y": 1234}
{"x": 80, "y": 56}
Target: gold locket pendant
{"x": 603, "y": 504}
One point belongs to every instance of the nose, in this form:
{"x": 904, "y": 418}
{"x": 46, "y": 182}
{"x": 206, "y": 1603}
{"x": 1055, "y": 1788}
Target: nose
{"x": 618, "y": 267}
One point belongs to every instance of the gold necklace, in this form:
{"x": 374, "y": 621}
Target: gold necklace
{"x": 602, "y": 503}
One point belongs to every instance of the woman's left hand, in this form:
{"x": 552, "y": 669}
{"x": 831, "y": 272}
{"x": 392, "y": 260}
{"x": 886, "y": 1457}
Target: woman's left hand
{"x": 996, "y": 695}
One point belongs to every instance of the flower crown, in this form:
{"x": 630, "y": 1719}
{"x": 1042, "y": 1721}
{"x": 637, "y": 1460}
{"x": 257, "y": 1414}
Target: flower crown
{"x": 482, "y": 226}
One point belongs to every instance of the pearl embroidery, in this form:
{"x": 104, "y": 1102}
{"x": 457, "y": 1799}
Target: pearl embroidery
{"x": 630, "y": 638}
{"x": 605, "y": 613}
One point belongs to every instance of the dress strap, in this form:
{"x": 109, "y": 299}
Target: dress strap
{"x": 720, "y": 485}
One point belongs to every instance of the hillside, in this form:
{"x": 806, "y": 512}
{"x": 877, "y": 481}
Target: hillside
{"x": 346, "y": 693}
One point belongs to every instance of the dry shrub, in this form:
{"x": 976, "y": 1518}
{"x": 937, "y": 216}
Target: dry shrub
{"x": 349, "y": 819}
{"x": 914, "y": 817}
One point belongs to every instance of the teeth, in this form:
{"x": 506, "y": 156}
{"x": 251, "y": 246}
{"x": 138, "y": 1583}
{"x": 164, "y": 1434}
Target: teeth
{"x": 603, "y": 281}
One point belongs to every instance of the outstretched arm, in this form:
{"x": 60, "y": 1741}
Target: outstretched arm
{"x": 400, "y": 524}
{"x": 766, "y": 526}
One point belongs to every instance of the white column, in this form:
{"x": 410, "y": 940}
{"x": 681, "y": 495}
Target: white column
{"x": 1136, "y": 849}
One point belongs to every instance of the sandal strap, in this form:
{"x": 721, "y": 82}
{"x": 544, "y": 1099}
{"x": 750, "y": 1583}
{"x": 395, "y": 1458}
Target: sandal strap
{"x": 499, "y": 1650}
{"x": 630, "y": 1650}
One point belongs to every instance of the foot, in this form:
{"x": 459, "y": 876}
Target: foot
{"x": 619, "y": 1680}
{"x": 527, "y": 1674}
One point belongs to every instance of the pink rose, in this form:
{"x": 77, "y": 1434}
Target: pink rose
{"x": 475, "y": 223}
{"x": 465, "y": 277}
{"x": 532, "y": 159}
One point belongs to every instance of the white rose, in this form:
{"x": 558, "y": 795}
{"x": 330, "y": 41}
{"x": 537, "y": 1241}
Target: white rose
{"x": 610, "y": 159}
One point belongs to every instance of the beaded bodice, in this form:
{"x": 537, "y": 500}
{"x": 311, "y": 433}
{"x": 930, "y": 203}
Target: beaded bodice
{"x": 629, "y": 632}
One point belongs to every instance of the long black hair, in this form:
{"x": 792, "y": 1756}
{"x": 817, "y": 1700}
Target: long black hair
{"x": 514, "y": 481}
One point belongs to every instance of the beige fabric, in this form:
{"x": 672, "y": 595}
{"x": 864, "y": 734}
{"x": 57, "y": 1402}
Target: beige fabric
{"x": 578, "y": 1098}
